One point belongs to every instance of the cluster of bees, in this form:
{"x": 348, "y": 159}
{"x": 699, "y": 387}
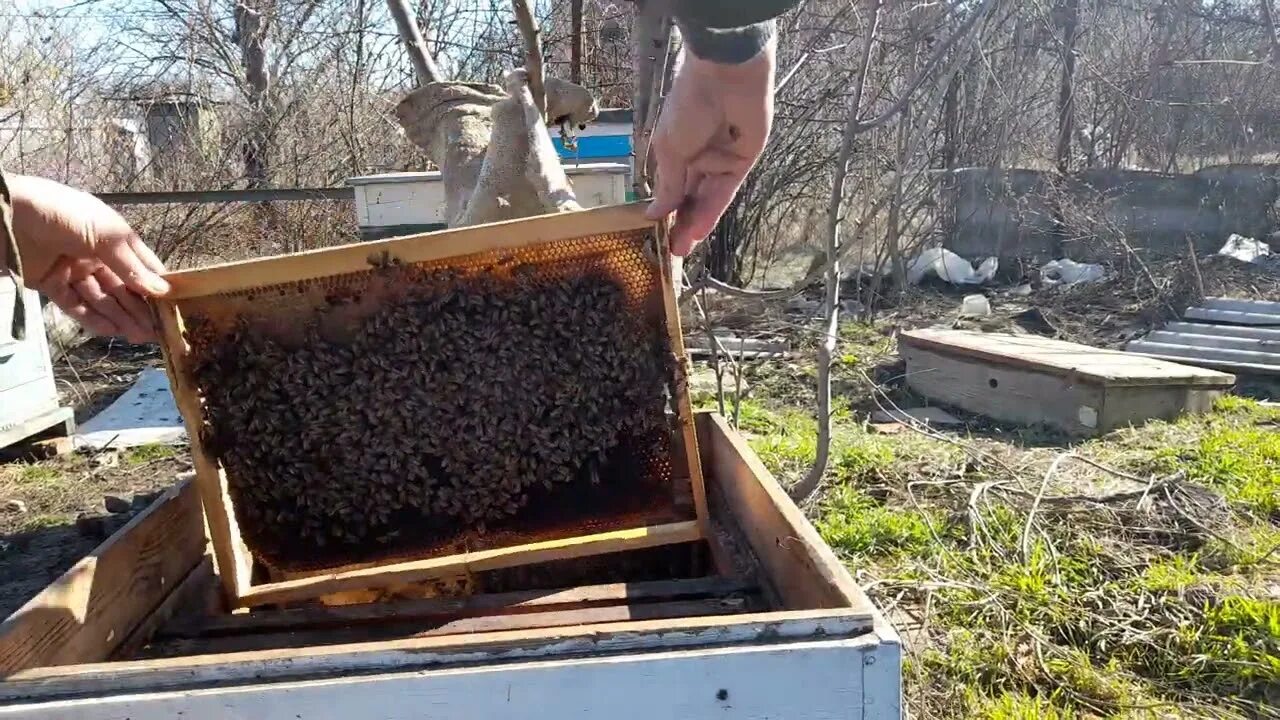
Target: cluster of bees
{"x": 445, "y": 408}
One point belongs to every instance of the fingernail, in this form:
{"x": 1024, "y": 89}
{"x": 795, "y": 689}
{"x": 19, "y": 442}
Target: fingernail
{"x": 157, "y": 285}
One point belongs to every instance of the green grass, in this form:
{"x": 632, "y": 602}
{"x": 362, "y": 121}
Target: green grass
{"x": 1236, "y": 647}
{"x": 855, "y": 525}
{"x": 1110, "y": 611}
{"x": 39, "y": 475}
{"x": 144, "y": 454}
{"x": 1174, "y": 574}
{"x": 1017, "y": 706}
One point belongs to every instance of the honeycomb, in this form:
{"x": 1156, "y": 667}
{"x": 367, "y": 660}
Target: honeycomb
{"x": 423, "y": 409}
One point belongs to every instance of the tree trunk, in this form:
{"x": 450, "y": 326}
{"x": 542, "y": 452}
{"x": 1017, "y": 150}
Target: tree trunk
{"x": 423, "y": 65}
{"x": 1066, "y": 91}
{"x": 251, "y": 31}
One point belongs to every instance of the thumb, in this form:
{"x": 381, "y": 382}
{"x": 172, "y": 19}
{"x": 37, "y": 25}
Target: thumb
{"x": 138, "y": 275}
{"x": 670, "y": 192}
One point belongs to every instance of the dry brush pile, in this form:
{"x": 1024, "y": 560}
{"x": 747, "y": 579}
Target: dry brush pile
{"x": 440, "y": 412}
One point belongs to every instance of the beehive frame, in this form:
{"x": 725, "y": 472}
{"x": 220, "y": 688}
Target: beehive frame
{"x": 233, "y": 558}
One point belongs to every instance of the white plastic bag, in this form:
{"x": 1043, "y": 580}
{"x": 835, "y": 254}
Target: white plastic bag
{"x": 1245, "y": 249}
{"x": 951, "y": 268}
{"x": 1069, "y": 272}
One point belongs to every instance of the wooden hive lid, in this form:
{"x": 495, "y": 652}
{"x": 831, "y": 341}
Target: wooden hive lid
{"x": 1109, "y": 368}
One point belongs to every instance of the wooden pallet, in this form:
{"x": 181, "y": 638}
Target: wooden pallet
{"x": 232, "y": 285}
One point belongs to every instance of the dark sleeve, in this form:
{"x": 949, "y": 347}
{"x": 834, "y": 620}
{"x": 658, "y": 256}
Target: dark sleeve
{"x": 725, "y": 31}
{"x": 10, "y": 261}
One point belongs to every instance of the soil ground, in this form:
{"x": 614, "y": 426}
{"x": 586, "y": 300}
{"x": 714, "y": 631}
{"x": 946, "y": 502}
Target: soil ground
{"x": 41, "y": 500}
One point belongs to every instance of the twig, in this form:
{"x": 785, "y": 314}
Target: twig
{"x": 1035, "y": 505}
{"x": 835, "y": 217}
{"x": 1195, "y": 267}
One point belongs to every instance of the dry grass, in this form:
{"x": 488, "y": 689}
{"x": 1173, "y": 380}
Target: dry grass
{"x": 1136, "y": 575}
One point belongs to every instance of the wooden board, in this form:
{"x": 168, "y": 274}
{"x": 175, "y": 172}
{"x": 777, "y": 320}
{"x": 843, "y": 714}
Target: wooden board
{"x": 823, "y": 680}
{"x": 210, "y": 288}
{"x": 800, "y": 566}
{"x": 423, "y": 247}
{"x": 447, "y": 609}
{"x": 425, "y": 628}
{"x": 84, "y": 615}
{"x": 409, "y": 572}
{"x": 1074, "y": 405}
{"x": 436, "y": 653}
{"x": 1080, "y": 363}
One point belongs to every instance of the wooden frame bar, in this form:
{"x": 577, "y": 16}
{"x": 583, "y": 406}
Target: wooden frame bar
{"x": 233, "y": 559}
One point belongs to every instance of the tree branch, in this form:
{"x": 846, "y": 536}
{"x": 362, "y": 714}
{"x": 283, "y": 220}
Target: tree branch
{"x": 532, "y": 54}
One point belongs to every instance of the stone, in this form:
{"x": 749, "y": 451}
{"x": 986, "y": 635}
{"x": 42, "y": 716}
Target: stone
{"x": 116, "y": 504}
{"x": 15, "y": 506}
{"x": 142, "y": 501}
{"x": 92, "y": 526}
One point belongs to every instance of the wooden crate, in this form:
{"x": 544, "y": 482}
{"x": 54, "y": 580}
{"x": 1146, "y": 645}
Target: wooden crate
{"x": 279, "y": 292}
{"x": 774, "y": 611}
{"x": 1032, "y": 380}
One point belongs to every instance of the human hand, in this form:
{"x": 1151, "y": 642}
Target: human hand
{"x": 84, "y": 256}
{"x": 713, "y": 127}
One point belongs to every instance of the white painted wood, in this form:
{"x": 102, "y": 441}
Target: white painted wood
{"x": 1234, "y": 331}
{"x": 1156, "y": 349}
{"x": 273, "y": 665}
{"x": 417, "y": 198}
{"x": 27, "y": 389}
{"x": 1261, "y": 307}
{"x": 803, "y": 681}
{"x": 1215, "y": 341}
{"x": 1233, "y": 317}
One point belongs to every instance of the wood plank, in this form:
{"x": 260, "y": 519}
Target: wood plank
{"x": 425, "y": 628}
{"x": 477, "y": 561}
{"x": 683, "y": 405}
{"x": 436, "y": 653}
{"x": 191, "y": 591}
{"x": 800, "y": 566}
{"x": 85, "y": 614}
{"x": 457, "y": 608}
{"x": 1063, "y": 359}
{"x": 231, "y": 559}
{"x": 312, "y": 264}
{"x": 751, "y": 683}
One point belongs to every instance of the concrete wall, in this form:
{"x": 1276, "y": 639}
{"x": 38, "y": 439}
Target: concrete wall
{"x": 1024, "y": 214}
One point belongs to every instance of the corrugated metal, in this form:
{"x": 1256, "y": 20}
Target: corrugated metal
{"x": 1234, "y": 334}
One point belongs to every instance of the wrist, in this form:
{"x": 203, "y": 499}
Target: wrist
{"x": 755, "y": 70}
{"x": 729, "y": 46}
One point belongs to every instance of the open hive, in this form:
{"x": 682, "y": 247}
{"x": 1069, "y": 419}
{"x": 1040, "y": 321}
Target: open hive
{"x": 451, "y": 402}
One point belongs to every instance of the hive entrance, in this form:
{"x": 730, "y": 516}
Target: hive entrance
{"x": 432, "y": 402}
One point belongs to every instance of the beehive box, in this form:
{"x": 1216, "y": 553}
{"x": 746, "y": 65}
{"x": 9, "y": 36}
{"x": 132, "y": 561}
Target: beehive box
{"x": 725, "y": 627}
{"x": 419, "y": 408}
{"x": 1032, "y": 380}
